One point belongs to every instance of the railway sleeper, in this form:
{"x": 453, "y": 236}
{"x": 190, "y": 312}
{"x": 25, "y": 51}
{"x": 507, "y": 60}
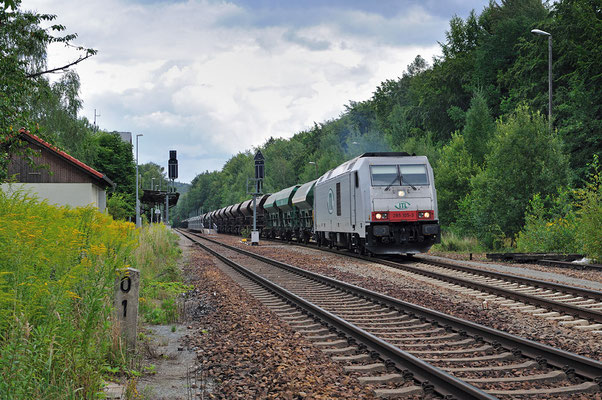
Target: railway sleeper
{"x": 341, "y": 350}
{"x": 395, "y": 324}
{"x": 442, "y": 344}
{"x": 551, "y": 376}
{"x": 391, "y": 319}
{"x": 381, "y": 379}
{"x": 586, "y": 387}
{"x": 293, "y": 318}
{"x": 500, "y": 356}
{"x": 354, "y": 358}
{"x": 483, "y": 349}
{"x": 332, "y": 344}
{"x": 315, "y": 331}
{"x": 366, "y": 368}
{"x": 427, "y": 332}
{"x": 318, "y": 338}
{"x": 594, "y": 327}
{"x": 501, "y": 368}
{"x": 405, "y": 391}
{"x": 302, "y": 328}
{"x": 425, "y": 338}
{"x": 349, "y": 308}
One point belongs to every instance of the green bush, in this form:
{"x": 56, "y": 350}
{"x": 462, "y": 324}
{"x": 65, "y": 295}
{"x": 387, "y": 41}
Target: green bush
{"x": 589, "y": 212}
{"x": 568, "y": 222}
{"x": 550, "y": 225}
{"x": 246, "y": 232}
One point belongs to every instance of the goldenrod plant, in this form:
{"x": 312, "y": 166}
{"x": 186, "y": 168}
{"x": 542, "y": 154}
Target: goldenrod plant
{"x": 58, "y": 267}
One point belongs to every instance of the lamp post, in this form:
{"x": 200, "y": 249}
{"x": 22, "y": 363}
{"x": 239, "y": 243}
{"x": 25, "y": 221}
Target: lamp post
{"x": 316, "y": 164}
{"x": 137, "y": 199}
{"x": 549, "y": 35}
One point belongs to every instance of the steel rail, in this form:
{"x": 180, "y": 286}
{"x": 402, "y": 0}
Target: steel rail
{"x": 444, "y": 383}
{"x": 583, "y": 366}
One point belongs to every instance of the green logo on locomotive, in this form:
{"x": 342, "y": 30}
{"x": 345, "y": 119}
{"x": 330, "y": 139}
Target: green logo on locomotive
{"x": 402, "y": 205}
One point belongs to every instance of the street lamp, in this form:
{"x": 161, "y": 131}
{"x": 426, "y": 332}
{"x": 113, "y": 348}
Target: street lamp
{"x": 137, "y": 199}
{"x": 549, "y": 35}
{"x": 316, "y": 164}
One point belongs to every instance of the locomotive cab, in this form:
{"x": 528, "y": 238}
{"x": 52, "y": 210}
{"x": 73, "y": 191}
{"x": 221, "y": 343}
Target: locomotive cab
{"x": 403, "y": 206}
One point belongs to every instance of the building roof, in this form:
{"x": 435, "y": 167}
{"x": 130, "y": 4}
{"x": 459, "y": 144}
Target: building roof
{"x": 30, "y": 137}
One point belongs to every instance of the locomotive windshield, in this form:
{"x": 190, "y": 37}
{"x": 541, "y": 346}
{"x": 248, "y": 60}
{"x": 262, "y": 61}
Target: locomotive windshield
{"x": 383, "y": 175}
{"x": 414, "y": 174}
{"x": 397, "y": 175}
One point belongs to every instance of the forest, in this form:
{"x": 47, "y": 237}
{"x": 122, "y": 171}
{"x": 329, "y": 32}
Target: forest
{"x": 479, "y": 112}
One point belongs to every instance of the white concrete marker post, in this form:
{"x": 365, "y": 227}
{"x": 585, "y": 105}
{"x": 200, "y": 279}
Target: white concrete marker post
{"x": 127, "y": 286}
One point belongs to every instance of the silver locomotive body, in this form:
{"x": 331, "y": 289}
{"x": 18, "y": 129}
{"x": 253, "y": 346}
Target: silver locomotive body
{"x": 382, "y": 203}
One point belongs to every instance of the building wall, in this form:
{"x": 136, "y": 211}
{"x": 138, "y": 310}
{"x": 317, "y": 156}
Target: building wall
{"x": 72, "y": 194}
{"x": 55, "y": 170}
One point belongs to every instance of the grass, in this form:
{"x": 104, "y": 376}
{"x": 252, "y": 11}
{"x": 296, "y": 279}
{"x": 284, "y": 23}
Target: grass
{"x": 161, "y": 278}
{"x": 451, "y": 242}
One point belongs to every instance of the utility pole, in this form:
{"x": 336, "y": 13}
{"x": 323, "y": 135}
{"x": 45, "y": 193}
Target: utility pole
{"x": 96, "y": 126}
{"x": 138, "y": 223}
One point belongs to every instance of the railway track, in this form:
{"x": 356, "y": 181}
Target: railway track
{"x": 406, "y": 349}
{"x": 572, "y": 306}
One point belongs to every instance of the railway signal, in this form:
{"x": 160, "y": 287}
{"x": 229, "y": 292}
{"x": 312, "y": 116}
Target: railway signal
{"x": 259, "y": 175}
{"x": 172, "y": 173}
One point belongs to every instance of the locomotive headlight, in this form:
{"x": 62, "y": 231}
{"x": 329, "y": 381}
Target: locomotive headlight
{"x": 378, "y": 216}
{"x": 427, "y": 214}
{"x": 401, "y": 193}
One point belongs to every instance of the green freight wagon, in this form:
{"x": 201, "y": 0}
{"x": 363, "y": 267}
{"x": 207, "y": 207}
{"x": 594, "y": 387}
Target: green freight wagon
{"x": 303, "y": 200}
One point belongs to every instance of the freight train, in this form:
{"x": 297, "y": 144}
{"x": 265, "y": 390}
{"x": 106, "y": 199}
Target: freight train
{"x": 377, "y": 203}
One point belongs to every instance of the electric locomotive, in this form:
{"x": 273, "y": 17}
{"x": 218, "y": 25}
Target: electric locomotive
{"x": 381, "y": 203}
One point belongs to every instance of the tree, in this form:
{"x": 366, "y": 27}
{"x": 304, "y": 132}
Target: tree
{"x": 478, "y": 129}
{"x": 119, "y": 207}
{"x": 504, "y": 27}
{"x": 115, "y": 159}
{"x": 453, "y": 172}
{"x": 525, "y": 159}
{"x": 23, "y": 43}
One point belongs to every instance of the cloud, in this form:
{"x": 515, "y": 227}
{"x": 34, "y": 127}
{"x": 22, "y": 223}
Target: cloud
{"x": 212, "y": 78}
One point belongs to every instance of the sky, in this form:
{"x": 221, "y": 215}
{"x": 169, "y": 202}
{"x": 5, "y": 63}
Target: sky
{"x": 214, "y": 78}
